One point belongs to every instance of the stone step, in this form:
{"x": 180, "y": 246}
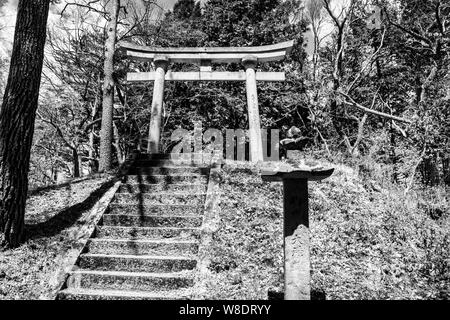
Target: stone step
{"x": 189, "y": 162}
{"x": 149, "y": 188}
{"x": 134, "y": 281}
{"x": 110, "y": 232}
{"x": 163, "y": 156}
{"x": 142, "y": 247}
{"x": 162, "y": 209}
{"x": 135, "y": 263}
{"x": 86, "y": 294}
{"x": 174, "y": 170}
{"x": 154, "y": 156}
{"x": 152, "y": 221}
{"x": 165, "y": 179}
{"x": 160, "y": 198}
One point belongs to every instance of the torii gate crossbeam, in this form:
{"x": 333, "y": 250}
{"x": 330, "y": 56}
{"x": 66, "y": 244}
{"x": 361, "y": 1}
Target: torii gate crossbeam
{"x": 249, "y": 57}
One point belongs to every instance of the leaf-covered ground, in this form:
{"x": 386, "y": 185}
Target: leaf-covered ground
{"x": 53, "y": 217}
{"x": 368, "y": 242}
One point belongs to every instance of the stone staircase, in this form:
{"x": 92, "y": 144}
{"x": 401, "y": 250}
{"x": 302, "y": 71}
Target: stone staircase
{"x": 146, "y": 243}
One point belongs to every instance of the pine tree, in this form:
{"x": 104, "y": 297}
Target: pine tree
{"x": 186, "y": 9}
{"x": 106, "y": 133}
{"x": 17, "y": 117}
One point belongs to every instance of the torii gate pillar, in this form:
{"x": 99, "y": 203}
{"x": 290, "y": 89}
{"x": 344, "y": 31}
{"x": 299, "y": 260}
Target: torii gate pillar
{"x": 154, "y": 134}
{"x": 256, "y": 147}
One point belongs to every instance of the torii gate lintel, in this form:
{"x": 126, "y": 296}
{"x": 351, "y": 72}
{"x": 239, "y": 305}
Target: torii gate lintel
{"x": 249, "y": 57}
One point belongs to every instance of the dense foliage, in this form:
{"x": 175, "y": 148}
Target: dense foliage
{"x": 368, "y": 85}
{"x": 223, "y": 105}
{"x": 341, "y": 70}
{"x": 368, "y": 239}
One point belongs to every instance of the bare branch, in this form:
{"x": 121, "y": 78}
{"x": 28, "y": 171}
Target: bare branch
{"x": 353, "y": 103}
{"x": 370, "y": 63}
{"x": 413, "y": 34}
{"x": 87, "y": 6}
{"x": 58, "y": 130}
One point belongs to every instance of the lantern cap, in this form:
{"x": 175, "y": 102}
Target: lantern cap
{"x": 306, "y": 171}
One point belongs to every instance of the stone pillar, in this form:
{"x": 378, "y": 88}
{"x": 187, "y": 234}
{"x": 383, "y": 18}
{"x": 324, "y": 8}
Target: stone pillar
{"x": 296, "y": 225}
{"x": 256, "y": 150}
{"x": 154, "y": 134}
{"x": 296, "y": 240}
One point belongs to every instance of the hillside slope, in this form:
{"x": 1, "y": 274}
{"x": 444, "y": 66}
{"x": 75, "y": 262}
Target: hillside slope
{"x": 54, "y": 217}
{"x": 368, "y": 242}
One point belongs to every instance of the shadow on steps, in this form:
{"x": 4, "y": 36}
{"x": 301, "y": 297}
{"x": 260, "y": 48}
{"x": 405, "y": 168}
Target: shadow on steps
{"x": 67, "y": 217}
{"x": 73, "y": 181}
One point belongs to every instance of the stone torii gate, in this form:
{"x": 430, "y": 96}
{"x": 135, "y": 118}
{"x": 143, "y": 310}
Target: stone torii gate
{"x": 249, "y": 57}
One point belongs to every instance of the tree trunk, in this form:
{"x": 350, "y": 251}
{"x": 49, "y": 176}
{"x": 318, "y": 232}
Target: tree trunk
{"x": 95, "y": 108}
{"x": 106, "y": 133}
{"x": 17, "y": 117}
{"x": 446, "y": 170}
{"x": 120, "y": 157}
{"x": 336, "y": 112}
{"x": 76, "y": 163}
{"x": 92, "y": 166}
{"x": 430, "y": 173}
{"x": 392, "y": 155}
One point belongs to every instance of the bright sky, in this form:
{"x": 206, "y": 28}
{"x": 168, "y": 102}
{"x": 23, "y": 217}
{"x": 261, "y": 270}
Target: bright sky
{"x": 8, "y": 17}
{"x": 326, "y": 26}
{"x": 8, "y": 20}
